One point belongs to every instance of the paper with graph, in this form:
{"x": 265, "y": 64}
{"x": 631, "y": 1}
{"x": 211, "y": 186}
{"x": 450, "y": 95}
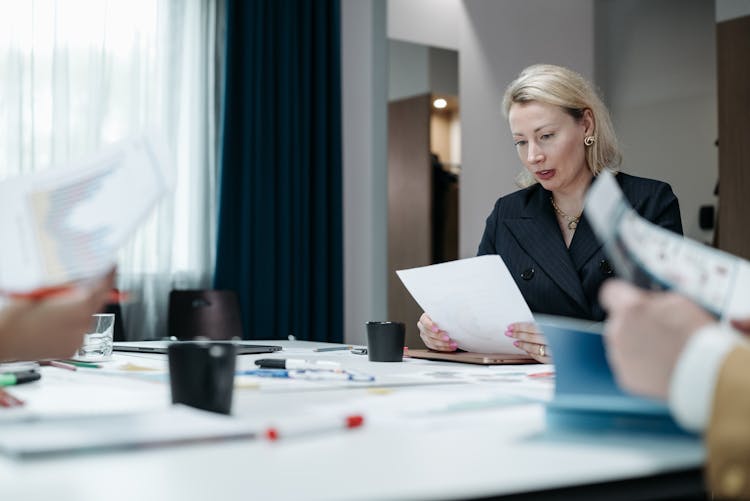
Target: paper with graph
{"x": 473, "y": 300}
{"x": 653, "y": 257}
{"x": 63, "y": 225}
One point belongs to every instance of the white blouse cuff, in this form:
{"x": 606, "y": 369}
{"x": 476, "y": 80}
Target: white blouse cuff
{"x": 694, "y": 378}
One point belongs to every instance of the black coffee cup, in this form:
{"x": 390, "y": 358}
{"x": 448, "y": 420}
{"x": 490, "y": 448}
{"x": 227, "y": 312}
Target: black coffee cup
{"x": 201, "y": 374}
{"x": 385, "y": 341}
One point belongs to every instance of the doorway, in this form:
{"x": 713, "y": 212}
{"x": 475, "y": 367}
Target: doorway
{"x": 423, "y": 169}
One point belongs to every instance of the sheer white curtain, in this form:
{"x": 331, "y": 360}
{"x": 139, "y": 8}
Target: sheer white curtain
{"x": 76, "y": 75}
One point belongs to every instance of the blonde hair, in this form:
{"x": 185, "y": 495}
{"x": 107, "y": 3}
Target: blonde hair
{"x": 555, "y": 85}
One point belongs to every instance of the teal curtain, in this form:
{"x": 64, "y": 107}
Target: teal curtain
{"x": 280, "y": 217}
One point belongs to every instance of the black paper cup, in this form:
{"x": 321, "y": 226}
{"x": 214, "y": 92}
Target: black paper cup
{"x": 385, "y": 341}
{"x": 201, "y": 374}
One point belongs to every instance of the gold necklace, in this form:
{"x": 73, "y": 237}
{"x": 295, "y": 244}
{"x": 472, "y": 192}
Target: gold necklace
{"x": 572, "y": 220}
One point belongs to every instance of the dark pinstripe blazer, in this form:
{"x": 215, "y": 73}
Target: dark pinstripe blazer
{"x": 554, "y": 279}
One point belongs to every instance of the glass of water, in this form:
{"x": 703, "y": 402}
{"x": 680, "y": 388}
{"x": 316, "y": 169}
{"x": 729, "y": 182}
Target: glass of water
{"x": 97, "y": 342}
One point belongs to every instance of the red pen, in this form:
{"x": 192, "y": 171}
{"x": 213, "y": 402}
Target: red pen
{"x": 59, "y": 365}
{"x": 306, "y": 427}
{"x": 46, "y": 292}
{"x": 8, "y": 400}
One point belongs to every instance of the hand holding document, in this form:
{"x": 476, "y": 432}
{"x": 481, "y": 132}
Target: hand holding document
{"x": 65, "y": 225}
{"x": 652, "y": 257}
{"x": 473, "y": 300}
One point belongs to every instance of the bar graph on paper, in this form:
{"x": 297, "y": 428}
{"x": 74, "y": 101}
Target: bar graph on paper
{"x": 69, "y": 223}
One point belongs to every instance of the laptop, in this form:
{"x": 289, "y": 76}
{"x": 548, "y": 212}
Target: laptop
{"x": 243, "y": 347}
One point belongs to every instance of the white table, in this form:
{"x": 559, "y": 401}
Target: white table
{"x": 427, "y": 441}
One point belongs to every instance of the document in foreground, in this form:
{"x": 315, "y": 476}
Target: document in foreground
{"x": 473, "y": 300}
{"x": 653, "y": 257}
{"x": 63, "y": 225}
{"x": 586, "y": 394}
{"x": 175, "y": 425}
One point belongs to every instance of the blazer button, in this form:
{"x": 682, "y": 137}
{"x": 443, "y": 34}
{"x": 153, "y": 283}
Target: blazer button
{"x": 527, "y": 274}
{"x": 605, "y": 268}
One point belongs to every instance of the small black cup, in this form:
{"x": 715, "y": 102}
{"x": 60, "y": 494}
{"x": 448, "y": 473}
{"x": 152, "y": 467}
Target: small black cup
{"x": 385, "y": 341}
{"x": 201, "y": 374}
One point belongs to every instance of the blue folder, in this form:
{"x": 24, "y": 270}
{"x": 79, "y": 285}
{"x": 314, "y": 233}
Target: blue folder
{"x": 586, "y": 394}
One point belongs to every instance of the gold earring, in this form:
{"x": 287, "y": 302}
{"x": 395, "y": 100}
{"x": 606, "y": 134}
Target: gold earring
{"x": 589, "y": 140}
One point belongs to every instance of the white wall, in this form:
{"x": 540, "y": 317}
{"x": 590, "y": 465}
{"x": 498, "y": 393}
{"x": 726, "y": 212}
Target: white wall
{"x": 656, "y": 67}
{"x": 364, "y": 108}
{"x": 497, "y": 40}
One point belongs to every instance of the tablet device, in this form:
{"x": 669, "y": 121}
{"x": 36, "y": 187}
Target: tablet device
{"x": 470, "y": 357}
{"x": 243, "y": 347}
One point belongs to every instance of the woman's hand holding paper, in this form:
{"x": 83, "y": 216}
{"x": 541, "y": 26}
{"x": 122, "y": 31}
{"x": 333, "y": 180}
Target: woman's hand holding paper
{"x": 433, "y": 337}
{"x": 531, "y": 340}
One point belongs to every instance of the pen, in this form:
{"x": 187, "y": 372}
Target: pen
{"x": 45, "y": 292}
{"x": 334, "y": 348}
{"x": 13, "y": 378}
{"x": 264, "y": 373}
{"x": 310, "y": 374}
{"x": 59, "y": 365}
{"x": 274, "y": 433}
{"x": 88, "y": 365}
{"x": 298, "y": 374}
{"x": 292, "y": 363}
{"x": 8, "y": 400}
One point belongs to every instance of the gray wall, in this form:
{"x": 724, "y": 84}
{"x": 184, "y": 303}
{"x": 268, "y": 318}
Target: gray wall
{"x": 415, "y": 69}
{"x": 426, "y": 22}
{"x": 731, "y": 9}
{"x": 408, "y": 69}
{"x": 364, "y": 109}
{"x": 497, "y": 40}
{"x": 656, "y": 67}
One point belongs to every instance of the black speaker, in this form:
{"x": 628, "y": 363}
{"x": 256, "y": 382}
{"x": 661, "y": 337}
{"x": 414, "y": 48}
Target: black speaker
{"x": 706, "y": 217}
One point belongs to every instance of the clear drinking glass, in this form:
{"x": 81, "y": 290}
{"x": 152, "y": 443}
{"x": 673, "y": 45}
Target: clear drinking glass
{"x": 97, "y": 342}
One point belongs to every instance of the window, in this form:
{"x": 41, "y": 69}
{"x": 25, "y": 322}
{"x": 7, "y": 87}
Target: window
{"x": 80, "y": 74}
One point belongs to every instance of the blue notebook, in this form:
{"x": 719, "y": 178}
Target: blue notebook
{"x": 586, "y": 394}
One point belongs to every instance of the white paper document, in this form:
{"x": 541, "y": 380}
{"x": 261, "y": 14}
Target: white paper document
{"x": 175, "y": 425}
{"x": 473, "y": 300}
{"x": 66, "y": 224}
{"x": 653, "y": 257}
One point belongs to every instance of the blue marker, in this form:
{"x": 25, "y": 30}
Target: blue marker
{"x": 313, "y": 375}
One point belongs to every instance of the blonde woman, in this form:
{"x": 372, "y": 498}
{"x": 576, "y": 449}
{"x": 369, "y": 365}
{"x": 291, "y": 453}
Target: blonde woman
{"x": 564, "y": 138}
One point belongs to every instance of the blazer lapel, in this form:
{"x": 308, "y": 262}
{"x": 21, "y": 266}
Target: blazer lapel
{"x": 538, "y": 234}
{"x": 584, "y": 244}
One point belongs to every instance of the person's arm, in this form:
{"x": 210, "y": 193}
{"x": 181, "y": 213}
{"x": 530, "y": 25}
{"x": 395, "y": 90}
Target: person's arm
{"x": 53, "y": 327}
{"x": 487, "y": 244}
{"x": 666, "y": 210}
{"x": 658, "y": 204}
{"x": 728, "y": 432}
{"x": 694, "y": 377}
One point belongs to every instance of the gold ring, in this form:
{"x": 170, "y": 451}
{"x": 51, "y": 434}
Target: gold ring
{"x": 542, "y": 351}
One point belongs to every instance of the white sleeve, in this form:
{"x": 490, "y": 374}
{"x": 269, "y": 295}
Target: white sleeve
{"x": 691, "y": 389}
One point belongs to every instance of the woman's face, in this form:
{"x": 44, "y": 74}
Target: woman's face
{"x": 549, "y": 142}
